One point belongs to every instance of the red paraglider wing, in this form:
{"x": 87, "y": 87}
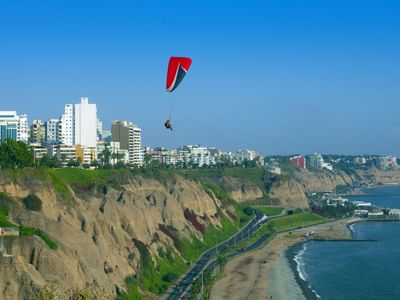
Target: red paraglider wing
{"x": 177, "y": 69}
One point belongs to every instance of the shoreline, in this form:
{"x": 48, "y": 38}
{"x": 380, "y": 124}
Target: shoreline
{"x": 269, "y": 272}
{"x": 290, "y": 254}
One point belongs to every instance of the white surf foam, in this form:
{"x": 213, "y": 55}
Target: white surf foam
{"x": 299, "y": 259}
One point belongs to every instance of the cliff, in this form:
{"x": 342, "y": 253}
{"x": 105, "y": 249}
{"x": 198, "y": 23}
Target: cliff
{"x": 117, "y": 232}
{"x": 103, "y": 232}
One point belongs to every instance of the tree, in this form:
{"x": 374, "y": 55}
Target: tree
{"x": 73, "y": 163}
{"x": 15, "y": 154}
{"x": 104, "y": 158}
{"x": 48, "y": 162}
{"x": 33, "y": 202}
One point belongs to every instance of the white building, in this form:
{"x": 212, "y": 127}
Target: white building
{"x": 67, "y": 125}
{"x": 136, "y": 156}
{"x": 13, "y": 126}
{"x": 23, "y": 129}
{"x": 198, "y": 155}
{"x": 118, "y": 155}
{"x": 245, "y": 155}
{"x": 78, "y": 124}
{"x": 85, "y": 123}
{"x": 316, "y": 161}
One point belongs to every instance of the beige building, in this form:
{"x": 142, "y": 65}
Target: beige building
{"x": 129, "y": 137}
{"x": 37, "y": 132}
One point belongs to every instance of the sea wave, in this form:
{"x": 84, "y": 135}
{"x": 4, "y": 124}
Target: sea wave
{"x": 299, "y": 259}
{"x": 300, "y": 266}
{"x": 351, "y": 227}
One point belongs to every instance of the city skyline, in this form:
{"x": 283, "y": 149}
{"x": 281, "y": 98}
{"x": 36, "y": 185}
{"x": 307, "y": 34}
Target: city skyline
{"x": 280, "y": 78}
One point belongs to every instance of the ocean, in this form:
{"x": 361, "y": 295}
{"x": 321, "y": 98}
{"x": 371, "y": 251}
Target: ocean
{"x": 355, "y": 270}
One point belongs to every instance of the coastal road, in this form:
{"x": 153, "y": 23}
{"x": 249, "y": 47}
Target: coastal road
{"x": 181, "y": 287}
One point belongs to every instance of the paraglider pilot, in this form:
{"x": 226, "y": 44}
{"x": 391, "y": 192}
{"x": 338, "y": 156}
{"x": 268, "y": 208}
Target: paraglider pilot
{"x": 168, "y": 124}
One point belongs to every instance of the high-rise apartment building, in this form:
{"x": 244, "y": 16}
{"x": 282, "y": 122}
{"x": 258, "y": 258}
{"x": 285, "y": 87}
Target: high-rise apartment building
{"x": 67, "y": 125}
{"x": 129, "y": 137}
{"x": 85, "y": 123}
{"x": 53, "y": 130}
{"x": 79, "y": 124}
{"x": 23, "y": 129}
{"x": 37, "y": 132}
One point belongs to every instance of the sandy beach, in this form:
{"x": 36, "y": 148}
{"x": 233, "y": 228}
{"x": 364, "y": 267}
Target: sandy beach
{"x": 265, "y": 273}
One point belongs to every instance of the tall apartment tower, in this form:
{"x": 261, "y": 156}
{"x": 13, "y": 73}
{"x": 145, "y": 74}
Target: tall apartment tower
{"x": 79, "y": 124}
{"x": 85, "y": 121}
{"x": 67, "y": 125}
{"x": 23, "y": 129}
{"x": 129, "y": 137}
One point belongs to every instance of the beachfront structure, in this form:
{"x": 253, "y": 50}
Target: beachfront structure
{"x": 361, "y": 212}
{"x": 13, "y": 126}
{"x": 376, "y": 215}
{"x": 362, "y": 204}
{"x": 129, "y": 136}
{"x": 394, "y": 214}
{"x": 337, "y": 201}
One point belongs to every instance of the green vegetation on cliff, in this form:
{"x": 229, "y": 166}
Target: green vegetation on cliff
{"x": 30, "y": 231}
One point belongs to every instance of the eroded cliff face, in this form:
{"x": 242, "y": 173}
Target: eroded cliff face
{"x": 289, "y": 193}
{"x": 95, "y": 233}
{"x": 321, "y": 181}
{"x": 240, "y": 189}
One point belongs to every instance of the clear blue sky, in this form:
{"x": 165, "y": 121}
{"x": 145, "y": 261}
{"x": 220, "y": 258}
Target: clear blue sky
{"x": 276, "y": 76}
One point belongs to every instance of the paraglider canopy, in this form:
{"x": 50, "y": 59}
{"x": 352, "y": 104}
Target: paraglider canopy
{"x": 177, "y": 69}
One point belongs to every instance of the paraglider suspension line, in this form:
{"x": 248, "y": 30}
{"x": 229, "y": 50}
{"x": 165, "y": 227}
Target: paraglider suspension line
{"x": 171, "y": 107}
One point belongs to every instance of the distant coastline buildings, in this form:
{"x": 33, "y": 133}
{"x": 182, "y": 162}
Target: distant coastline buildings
{"x": 77, "y": 138}
{"x": 298, "y": 161}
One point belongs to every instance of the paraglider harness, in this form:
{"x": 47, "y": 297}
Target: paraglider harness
{"x": 168, "y": 124}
